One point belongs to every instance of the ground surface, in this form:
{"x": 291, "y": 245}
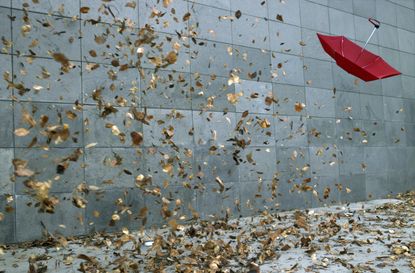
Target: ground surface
{"x": 374, "y": 236}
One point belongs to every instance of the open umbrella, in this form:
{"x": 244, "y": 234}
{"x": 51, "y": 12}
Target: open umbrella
{"x": 357, "y": 60}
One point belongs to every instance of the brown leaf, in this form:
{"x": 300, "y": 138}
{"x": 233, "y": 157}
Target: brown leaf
{"x": 171, "y": 57}
{"x": 166, "y": 3}
{"x": 84, "y": 10}
{"x": 299, "y": 106}
{"x": 21, "y": 132}
{"x": 187, "y": 16}
{"x": 137, "y": 138}
{"x": 20, "y": 168}
{"x": 238, "y": 14}
{"x": 220, "y": 183}
{"x": 279, "y": 18}
{"x": 301, "y": 220}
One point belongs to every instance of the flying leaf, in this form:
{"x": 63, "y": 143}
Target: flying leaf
{"x": 21, "y": 132}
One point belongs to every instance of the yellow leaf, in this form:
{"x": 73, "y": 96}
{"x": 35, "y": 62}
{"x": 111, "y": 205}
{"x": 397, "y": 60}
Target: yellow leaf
{"x": 21, "y": 132}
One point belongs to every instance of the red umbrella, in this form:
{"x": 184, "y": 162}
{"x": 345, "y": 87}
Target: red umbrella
{"x": 357, "y": 60}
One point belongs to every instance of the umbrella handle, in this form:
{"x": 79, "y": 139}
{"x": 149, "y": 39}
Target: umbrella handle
{"x": 375, "y": 22}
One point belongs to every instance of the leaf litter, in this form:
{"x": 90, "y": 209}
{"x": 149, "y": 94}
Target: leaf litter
{"x": 188, "y": 243}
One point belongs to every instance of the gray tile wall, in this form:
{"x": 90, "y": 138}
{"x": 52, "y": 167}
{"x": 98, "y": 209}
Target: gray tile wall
{"x": 352, "y": 141}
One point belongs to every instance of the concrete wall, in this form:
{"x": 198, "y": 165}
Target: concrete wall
{"x": 358, "y": 142}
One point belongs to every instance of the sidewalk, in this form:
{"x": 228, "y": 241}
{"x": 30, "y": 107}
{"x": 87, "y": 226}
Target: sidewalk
{"x": 373, "y": 236}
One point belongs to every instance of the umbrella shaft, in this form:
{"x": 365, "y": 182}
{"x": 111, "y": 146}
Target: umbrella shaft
{"x": 370, "y": 37}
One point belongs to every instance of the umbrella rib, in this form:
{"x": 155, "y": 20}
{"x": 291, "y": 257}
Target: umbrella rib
{"x": 377, "y": 58}
{"x": 342, "y": 46}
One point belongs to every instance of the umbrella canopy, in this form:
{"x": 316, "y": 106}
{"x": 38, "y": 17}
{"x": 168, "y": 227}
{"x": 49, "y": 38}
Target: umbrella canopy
{"x": 355, "y": 59}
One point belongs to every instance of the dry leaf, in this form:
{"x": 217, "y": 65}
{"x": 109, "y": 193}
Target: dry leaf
{"x": 21, "y": 132}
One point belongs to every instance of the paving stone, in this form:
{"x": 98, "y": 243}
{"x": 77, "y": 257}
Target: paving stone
{"x": 321, "y": 131}
{"x": 393, "y": 86}
{"x": 251, "y": 31}
{"x": 406, "y": 18}
{"x": 327, "y": 189}
{"x": 256, "y": 130}
{"x": 340, "y": 23}
{"x": 386, "y": 12}
{"x": 63, "y": 167}
{"x": 343, "y": 80}
{"x": 407, "y": 86}
{"x": 364, "y": 8}
{"x": 166, "y": 89}
{"x": 119, "y": 88}
{"x": 407, "y": 63}
{"x": 169, "y": 127}
{"x": 55, "y": 7}
{"x": 290, "y": 11}
{"x": 208, "y": 24}
{"x": 351, "y": 161}
{"x": 6, "y": 133}
{"x": 318, "y": 73}
{"x": 320, "y": 102}
{"x": 287, "y": 69}
{"x": 324, "y": 160}
{"x": 285, "y": 38}
{"x": 222, "y": 4}
{"x": 66, "y": 219}
{"x": 99, "y": 127}
{"x": 254, "y": 8}
{"x": 253, "y": 97}
{"x": 346, "y": 6}
{"x": 363, "y": 28}
{"x": 294, "y": 161}
{"x": 49, "y": 38}
{"x": 287, "y": 97}
{"x": 291, "y": 131}
{"x": 312, "y": 47}
{"x": 210, "y": 164}
{"x": 375, "y": 159}
{"x": 112, "y": 12}
{"x": 314, "y": 16}
{"x": 211, "y": 58}
{"x": 58, "y": 86}
{"x": 354, "y": 187}
{"x": 102, "y": 205}
{"x": 6, "y": 3}
{"x": 6, "y": 171}
{"x": 258, "y": 164}
{"x": 371, "y": 107}
{"x": 7, "y": 226}
{"x": 224, "y": 201}
{"x": 395, "y": 133}
{"x": 210, "y": 93}
{"x": 256, "y": 197}
{"x": 350, "y": 132}
{"x": 374, "y": 133}
{"x": 170, "y": 22}
{"x": 347, "y": 105}
{"x": 406, "y": 40}
{"x": 6, "y": 28}
{"x": 102, "y": 43}
{"x": 388, "y": 37}
{"x": 289, "y": 195}
{"x": 47, "y": 116}
{"x": 113, "y": 168}
{"x": 172, "y": 165}
{"x": 6, "y": 67}
{"x": 393, "y": 109}
{"x": 252, "y": 63}
{"x": 376, "y": 186}
{"x": 213, "y": 128}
